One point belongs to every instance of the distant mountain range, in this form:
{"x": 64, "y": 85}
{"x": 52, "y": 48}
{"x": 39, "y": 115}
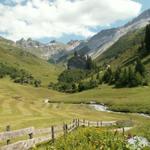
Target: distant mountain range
{"x": 95, "y": 46}
{"x": 53, "y": 49}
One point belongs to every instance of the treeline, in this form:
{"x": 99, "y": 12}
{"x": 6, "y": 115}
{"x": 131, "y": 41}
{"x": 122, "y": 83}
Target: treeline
{"x": 131, "y": 76}
{"x": 18, "y": 75}
{"x": 73, "y": 87}
{"x": 79, "y": 80}
{"x": 87, "y": 85}
{"x": 73, "y": 75}
{"x": 144, "y": 49}
{"x": 73, "y": 81}
{"x": 76, "y": 80}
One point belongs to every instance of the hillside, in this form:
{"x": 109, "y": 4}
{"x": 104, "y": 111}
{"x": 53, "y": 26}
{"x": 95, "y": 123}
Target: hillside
{"x": 103, "y": 40}
{"x": 16, "y": 57}
{"x": 126, "y": 44}
{"x": 125, "y": 50}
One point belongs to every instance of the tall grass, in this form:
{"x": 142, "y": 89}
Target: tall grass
{"x": 90, "y": 139}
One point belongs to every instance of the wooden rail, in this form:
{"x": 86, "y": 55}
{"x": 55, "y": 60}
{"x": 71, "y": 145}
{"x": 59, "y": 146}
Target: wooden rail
{"x": 35, "y": 136}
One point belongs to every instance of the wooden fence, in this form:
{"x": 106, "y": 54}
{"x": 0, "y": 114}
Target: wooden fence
{"x": 37, "y": 136}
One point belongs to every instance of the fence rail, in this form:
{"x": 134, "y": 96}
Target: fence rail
{"x": 35, "y": 135}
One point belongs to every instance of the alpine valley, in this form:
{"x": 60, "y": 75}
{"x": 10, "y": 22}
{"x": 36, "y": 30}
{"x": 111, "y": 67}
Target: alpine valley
{"x": 103, "y": 78}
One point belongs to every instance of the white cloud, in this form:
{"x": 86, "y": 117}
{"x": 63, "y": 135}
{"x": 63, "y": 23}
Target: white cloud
{"x": 54, "y": 18}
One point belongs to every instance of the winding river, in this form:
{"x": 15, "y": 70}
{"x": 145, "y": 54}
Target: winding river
{"x": 104, "y": 108}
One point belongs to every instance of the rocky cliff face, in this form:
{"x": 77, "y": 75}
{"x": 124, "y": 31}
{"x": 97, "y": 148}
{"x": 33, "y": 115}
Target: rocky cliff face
{"x": 53, "y": 49}
{"x": 99, "y": 43}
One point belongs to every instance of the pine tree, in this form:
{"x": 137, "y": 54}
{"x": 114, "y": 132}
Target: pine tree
{"x": 147, "y": 38}
{"x": 131, "y": 77}
{"x": 117, "y": 74}
{"x": 107, "y": 76}
{"x": 81, "y": 87}
{"x": 97, "y": 76}
{"x": 74, "y": 87}
{"x": 89, "y": 63}
{"x": 122, "y": 78}
{"x": 139, "y": 68}
{"x": 125, "y": 77}
{"x": 138, "y": 79}
{"x": 75, "y": 54}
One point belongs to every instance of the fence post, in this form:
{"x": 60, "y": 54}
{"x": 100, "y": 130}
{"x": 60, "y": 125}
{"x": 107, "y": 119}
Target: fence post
{"x": 53, "y": 133}
{"x": 97, "y": 124}
{"x": 30, "y": 135}
{"x": 78, "y": 122}
{"x": 101, "y": 123}
{"x": 73, "y": 123}
{"x": 83, "y": 122}
{"x": 65, "y": 128}
{"x": 123, "y": 131}
{"x": 8, "y": 129}
{"x": 88, "y": 123}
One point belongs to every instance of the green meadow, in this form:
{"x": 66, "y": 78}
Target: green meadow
{"x": 24, "y": 106}
{"x": 123, "y": 99}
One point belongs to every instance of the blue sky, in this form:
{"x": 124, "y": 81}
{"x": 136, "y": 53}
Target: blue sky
{"x": 64, "y": 20}
{"x": 145, "y": 6}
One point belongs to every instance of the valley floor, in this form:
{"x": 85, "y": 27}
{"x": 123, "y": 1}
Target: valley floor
{"x": 24, "y": 106}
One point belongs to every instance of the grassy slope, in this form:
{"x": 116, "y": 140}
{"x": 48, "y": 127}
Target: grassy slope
{"x": 123, "y": 52}
{"x": 37, "y": 67}
{"x": 23, "y": 106}
{"x": 125, "y": 45}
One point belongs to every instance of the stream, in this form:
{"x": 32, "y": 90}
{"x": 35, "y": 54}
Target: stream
{"x": 136, "y": 142}
{"x": 99, "y": 107}
{"x": 104, "y": 108}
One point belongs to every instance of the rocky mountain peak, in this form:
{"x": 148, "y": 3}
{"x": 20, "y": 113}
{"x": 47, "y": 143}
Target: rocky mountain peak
{"x": 29, "y": 40}
{"x": 72, "y": 44}
{"x": 53, "y": 41}
{"x": 53, "y": 49}
{"x": 29, "y": 43}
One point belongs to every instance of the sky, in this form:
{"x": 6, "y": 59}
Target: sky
{"x": 64, "y": 20}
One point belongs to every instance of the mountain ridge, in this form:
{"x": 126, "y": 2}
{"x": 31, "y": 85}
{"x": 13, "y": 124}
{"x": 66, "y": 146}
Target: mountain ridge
{"x": 94, "y": 47}
{"x": 100, "y": 42}
{"x": 52, "y": 49}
